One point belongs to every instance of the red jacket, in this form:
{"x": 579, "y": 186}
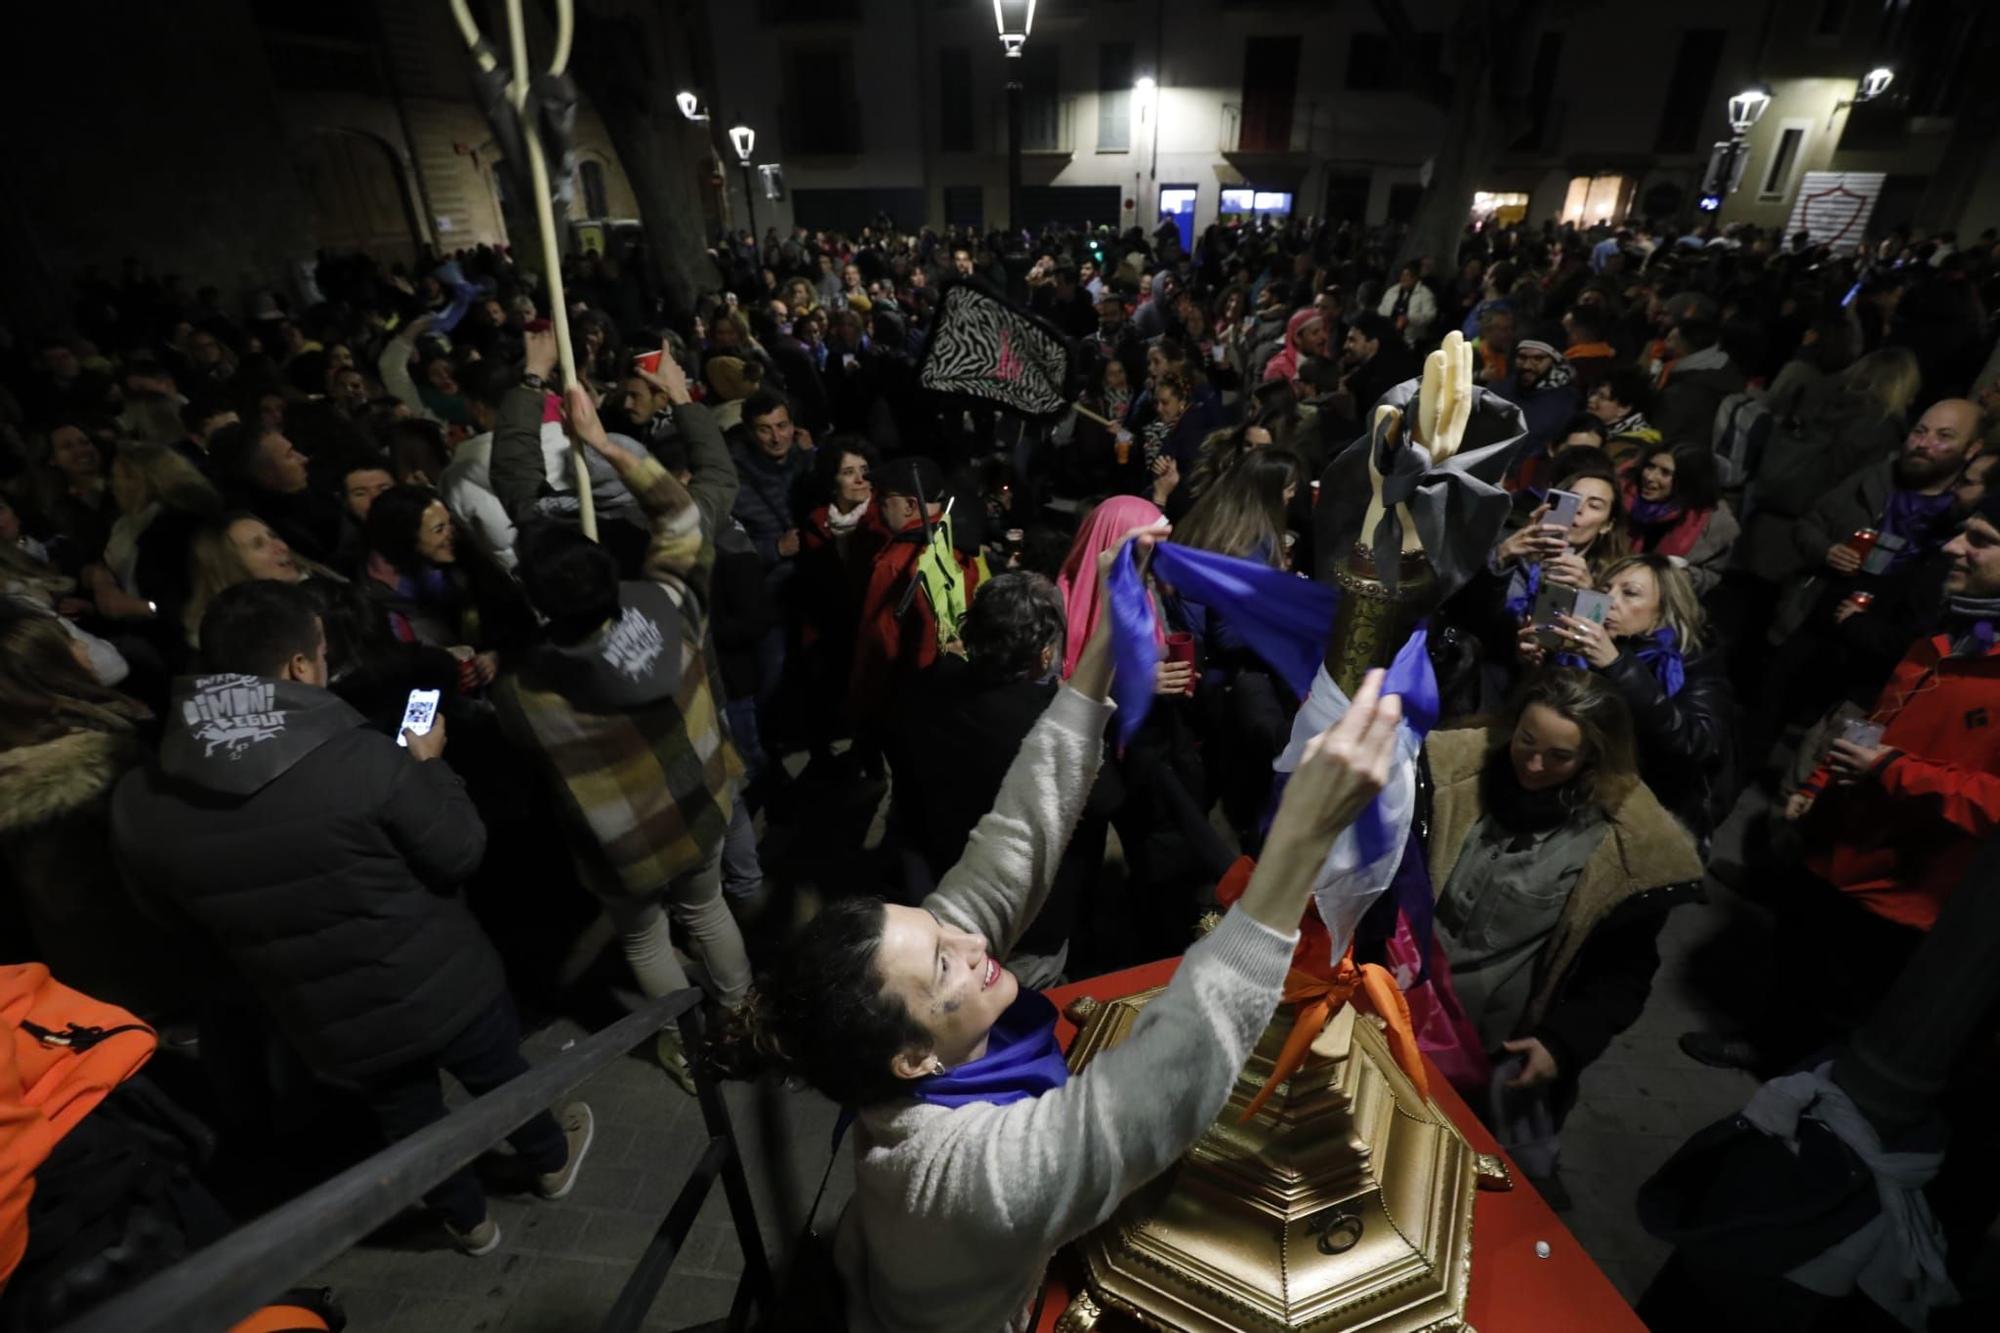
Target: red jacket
{"x": 1901, "y": 840}
{"x": 889, "y": 648}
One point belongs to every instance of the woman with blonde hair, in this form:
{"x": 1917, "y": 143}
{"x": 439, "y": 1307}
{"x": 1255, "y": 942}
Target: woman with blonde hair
{"x": 1654, "y": 648}
{"x": 162, "y": 501}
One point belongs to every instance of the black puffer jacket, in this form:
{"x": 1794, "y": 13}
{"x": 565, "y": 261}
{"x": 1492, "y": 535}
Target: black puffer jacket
{"x": 322, "y": 860}
{"x": 1685, "y": 754}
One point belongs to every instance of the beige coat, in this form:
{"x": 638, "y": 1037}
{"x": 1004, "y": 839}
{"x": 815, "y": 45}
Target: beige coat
{"x": 1645, "y": 850}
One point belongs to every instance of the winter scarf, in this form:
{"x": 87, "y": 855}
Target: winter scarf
{"x": 1022, "y": 1060}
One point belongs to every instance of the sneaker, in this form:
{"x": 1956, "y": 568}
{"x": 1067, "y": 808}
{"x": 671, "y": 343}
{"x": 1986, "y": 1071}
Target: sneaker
{"x": 482, "y": 1239}
{"x": 1720, "y": 1052}
{"x": 673, "y": 1059}
{"x": 579, "y": 1127}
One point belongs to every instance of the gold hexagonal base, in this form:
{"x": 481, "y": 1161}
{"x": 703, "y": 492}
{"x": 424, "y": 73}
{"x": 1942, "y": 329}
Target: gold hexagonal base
{"x": 1344, "y": 1204}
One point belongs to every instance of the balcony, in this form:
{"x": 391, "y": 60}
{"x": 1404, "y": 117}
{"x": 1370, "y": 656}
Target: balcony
{"x": 1266, "y": 132}
{"x": 1048, "y": 124}
{"x": 820, "y": 128}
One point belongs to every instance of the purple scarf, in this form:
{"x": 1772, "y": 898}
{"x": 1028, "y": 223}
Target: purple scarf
{"x": 1284, "y": 619}
{"x": 1920, "y": 520}
{"x": 1022, "y": 1060}
{"x": 1519, "y": 604}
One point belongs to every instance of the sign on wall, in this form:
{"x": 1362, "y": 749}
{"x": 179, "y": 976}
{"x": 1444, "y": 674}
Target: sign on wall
{"x": 1834, "y": 207}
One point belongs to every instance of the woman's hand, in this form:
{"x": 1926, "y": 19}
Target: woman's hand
{"x": 1534, "y": 543}
{"x": 1589, "y": 638}
{"x": 1540, "y": 1067}
{"x": 1798, "y": 805}
{"x": 1569, "y": 569}
{"x": 1341, "y": 770}
{"x": 1528, "y": 644}
{"x": 1166, "y": 476}
{"x": 484, "y": 667}
{"x": 1092, "y": 676}
{"x": 1172, "y": 678}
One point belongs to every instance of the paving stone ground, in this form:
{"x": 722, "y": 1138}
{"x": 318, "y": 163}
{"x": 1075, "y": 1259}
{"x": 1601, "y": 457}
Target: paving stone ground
{"x": 561, "y": 1265}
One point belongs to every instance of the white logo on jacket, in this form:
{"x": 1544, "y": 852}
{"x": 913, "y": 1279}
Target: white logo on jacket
{"x": 634, "y": 644}
{"x": 234, "y": 712}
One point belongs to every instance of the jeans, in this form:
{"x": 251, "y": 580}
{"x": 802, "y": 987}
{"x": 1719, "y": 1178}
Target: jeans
{"x": 742, "y": 873}
{"x": 694, "y": 898}
{"x": 486, "y": 1054}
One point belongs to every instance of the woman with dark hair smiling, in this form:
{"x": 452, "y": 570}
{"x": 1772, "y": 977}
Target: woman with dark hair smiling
{"x": 977, "y": 1154}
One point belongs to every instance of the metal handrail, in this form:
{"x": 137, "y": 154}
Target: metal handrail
{"x": 221, "y": 1284}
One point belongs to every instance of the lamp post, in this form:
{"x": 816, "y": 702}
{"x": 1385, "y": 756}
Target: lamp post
{"x": 1145, "y": 97}
{"x": 744, "y": 140}
{"x": 1745, "y": 109}
{"x": 1012, "y": 20}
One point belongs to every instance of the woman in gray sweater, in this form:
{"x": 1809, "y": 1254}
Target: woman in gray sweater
{"x": 976, "y": 1154}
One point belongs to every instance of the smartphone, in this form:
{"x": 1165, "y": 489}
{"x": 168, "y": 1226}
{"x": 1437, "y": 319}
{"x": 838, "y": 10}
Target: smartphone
{"x": 1554, "y": 599}
{"x": 1563, "y": 509}
{"x": 418, "y": 715}
{"x": 1592, "y": 606}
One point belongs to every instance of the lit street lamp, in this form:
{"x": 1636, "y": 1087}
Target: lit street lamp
{"x": 1745, "y": 109}
{"x": 1012, "y": 20}
{"x": 1869, "y": 87}
{"x": 690, "y": 106}
{"x": 744, "y": 140}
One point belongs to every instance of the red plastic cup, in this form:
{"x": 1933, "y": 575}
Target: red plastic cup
{"x": 648, "y": 362}
{"x": 1180, "y": 648}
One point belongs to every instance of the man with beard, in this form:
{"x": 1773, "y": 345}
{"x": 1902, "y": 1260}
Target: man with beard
{"x": 1544, "y": 388}
{"x": 1374, "y": 359}
{"x": 1873, "y": 596}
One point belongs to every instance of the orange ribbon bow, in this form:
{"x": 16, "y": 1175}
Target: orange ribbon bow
{"x": 1318, "y": 989}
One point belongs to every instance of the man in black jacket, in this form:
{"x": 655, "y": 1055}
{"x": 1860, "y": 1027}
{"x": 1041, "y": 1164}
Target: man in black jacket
{"x": 324, "y": 862}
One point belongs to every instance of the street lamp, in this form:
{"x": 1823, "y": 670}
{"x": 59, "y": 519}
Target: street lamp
{"x": 1869, "y": 87}
{"x": 690, "y": 106}
{"x": 1745, "y": 109}
{"x": 744, "y": 140}
{"x": 1012, "y": 20}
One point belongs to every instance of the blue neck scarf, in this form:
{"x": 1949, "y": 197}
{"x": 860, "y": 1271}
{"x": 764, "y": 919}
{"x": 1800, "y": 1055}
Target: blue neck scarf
{"x": 1660, "y": 653}
{"x": 1022, "y": 1060}
{"x": 1284, "y": 619}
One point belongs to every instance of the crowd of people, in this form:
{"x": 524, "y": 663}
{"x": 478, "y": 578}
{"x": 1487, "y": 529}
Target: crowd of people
{"x": 236, "y": 546}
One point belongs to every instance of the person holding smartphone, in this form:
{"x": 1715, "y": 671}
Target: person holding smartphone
{"x": 1654, "y": 647}
{"x": 323, "y": 863}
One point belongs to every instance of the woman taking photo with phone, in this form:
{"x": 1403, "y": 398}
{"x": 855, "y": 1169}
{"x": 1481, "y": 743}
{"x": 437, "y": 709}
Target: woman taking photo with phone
{"x": 976, "y": 1154}
{"x": 1654, "y": 648}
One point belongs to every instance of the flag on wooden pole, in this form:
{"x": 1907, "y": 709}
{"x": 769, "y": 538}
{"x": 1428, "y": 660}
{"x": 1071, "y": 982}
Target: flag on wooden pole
{"x": 984, "y": 350}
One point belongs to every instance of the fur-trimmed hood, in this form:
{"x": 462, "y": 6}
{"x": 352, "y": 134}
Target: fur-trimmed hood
{"x": 40, "y": 784}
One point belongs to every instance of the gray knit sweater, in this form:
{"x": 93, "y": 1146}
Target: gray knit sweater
{"x": 957, "y": 1210}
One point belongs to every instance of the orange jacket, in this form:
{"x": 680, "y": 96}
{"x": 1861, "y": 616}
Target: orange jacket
{"x": 48, "y": 1083}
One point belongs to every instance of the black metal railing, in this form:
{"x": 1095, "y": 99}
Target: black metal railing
{"x": 219, "y": 1285}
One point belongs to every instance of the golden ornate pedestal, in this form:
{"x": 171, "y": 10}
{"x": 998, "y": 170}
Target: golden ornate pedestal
{"x": 1344, "y": 1204}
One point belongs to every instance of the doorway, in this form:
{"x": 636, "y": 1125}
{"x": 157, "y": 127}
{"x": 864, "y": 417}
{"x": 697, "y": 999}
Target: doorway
{"x": 1177, "y": 206}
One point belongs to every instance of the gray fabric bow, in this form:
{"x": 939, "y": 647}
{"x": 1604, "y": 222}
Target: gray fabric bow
{"x": 1458, "y": 505}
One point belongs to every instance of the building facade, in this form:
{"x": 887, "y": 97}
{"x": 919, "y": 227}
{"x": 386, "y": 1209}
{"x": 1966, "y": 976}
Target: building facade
{"x": 1134, "y": 110}
{"x": 1923, "y": 150}
{"x": 231, "y": 141}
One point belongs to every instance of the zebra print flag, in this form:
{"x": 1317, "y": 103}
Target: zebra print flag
{"x": 984, "y": 349}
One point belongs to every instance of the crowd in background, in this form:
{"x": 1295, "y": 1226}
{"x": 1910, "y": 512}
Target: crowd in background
{"x": 814, "y": 578}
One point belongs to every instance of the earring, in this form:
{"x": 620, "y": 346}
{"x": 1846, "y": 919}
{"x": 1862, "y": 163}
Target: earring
{"x": 937, "y": 1066}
